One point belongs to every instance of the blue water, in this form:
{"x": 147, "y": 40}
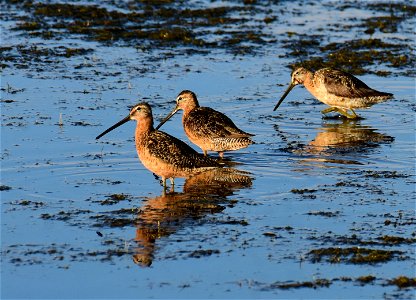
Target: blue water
{"x": 67, "y": 170}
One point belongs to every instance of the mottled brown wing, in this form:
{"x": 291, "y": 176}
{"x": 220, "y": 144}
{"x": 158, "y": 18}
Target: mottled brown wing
{"x": 176, "y": 152}
{"x": 343, "y": 84}
{"x": 205, "y": 121}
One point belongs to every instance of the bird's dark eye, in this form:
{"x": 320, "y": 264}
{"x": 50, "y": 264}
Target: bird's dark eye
{"x": 179, "y": 99}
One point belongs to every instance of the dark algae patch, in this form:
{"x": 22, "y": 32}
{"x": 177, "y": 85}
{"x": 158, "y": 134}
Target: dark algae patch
{"x": 22, "y": 55}
{"x": 202, "y": 253}
{"x": 353, "y": 255}
{"x": 366, "y": 279}
{"x": 385, "y": 174}
{"x": 165, "y": 24}
{"x": 384, "y": 240}
{"x": 114, "y": 199}
{"x": 396, "y": 13}
{"x": 182, "y": 28}
{"x": 356, "y": 55}
{"x": 318, "y": 283}
{"x": 303, "y": 191}
{"x": 403, "y": 282}
{"x": 5, "y": 187}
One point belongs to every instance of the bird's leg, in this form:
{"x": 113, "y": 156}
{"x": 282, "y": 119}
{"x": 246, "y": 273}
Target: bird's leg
{"x": 164, "y": 184}
{"x": 353, "y": 112}
{"x": 205, "y": 152}
{"x": 346, "y": 114}
{"x": 172, "y": 182}
{"x": 328, "y": 110}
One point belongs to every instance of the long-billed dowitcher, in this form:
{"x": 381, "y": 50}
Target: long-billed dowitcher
{"x": 160, "y": 152}
{"x": 207, "y": 128}
{"x": 340, "y": 90}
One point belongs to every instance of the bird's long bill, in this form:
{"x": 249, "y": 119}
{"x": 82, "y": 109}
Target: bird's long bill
{"x": 291, "y": 86}
{"x": 125, "y": 120}
{"x": 174, "y": 111}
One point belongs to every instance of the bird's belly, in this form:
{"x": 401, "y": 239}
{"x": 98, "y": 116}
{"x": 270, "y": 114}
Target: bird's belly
{"x": 203, "y": 142}
{"x": 218, "y": 143}
{"x": 159, "y": 166}
{"x": 335, "y": 101}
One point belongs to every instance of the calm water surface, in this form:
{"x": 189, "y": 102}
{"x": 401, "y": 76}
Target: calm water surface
{"x": 85, "y": 219}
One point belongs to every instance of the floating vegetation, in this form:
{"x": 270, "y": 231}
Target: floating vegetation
{"x": 356, "y": 55}
{"x": 385, "y": 240}
{"x": 385, "y": 174}
{"x": 21, "y": 55}
{"x": 303, "y": 191}
{"x": 328, "y": 214}
{"x": 202, "y": 253}
{"x": 354, "y": 255}
{"x": 366, "y": 279}
{"x": 114, "y": 199}
{"x": 35, "y": 204}
{"x": 304, "y": 284}
{"x": 403, "y": 282}
{"x": 5, "y": 187}
{"x": 154, "y": 25}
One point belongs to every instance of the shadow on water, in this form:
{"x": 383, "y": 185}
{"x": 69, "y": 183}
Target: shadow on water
{"x": 204, "y": 193}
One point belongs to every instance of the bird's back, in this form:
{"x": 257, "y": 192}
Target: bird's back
{"x": 343, "y": 84}
{"x": 174, "y": 152}
{"x": 209, "y": 123}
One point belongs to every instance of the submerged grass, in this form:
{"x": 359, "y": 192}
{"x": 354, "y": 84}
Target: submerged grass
{"x": 155, "y": 25}
{"x": 356, "y": 55}
{"x": 167, "y": 24}
{"x": 354, "y": 255}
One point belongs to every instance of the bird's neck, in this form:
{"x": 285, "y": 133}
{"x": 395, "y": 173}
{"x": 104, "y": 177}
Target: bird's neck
{"x": 308, "y": 82}
{"x": 188, "y": 108}
{"x": 143, "y": 127}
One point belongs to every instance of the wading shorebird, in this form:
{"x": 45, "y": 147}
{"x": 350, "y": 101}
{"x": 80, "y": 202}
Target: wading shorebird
{"x": 340, "y": 90}
{"x": 209, "y": 129}
{"x": 161, "y": 153}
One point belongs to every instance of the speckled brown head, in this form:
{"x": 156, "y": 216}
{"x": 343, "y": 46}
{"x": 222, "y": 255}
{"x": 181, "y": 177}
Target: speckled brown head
{"x": 298, "y": 77}
{"x": 186, "y": 100}
{"x": 141, "y": 112}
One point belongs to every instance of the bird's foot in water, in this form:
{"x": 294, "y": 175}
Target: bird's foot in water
{"x": 343, "y": 112}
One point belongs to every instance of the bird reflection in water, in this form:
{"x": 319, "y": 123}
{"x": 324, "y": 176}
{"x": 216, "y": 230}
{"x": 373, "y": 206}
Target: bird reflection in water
{"x": 341, "y": 142}
{"x": 203, "y": 194}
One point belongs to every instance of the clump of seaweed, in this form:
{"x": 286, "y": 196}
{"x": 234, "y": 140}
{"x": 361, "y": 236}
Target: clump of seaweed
{"x": 403, "y": 282}
{"x": 366, "y": 279}
{"x": 21, "y": 55}
{"x": 308, "y": 284}
{"x": 354, "y": 255}
{"x": 154, "y": 23}
{"x": 355, "y": 56}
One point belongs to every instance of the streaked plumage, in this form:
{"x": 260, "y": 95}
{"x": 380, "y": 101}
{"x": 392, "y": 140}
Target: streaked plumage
{"x": 160, "y": 152}
{"x": 338, "y": 89}
{"x": 207, "y": 128}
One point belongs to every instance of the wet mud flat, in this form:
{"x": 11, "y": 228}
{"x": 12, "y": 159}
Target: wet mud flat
{"x": 317, "y": 207}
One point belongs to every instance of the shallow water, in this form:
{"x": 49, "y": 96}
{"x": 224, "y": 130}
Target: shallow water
{"x": 77, "y": 212}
